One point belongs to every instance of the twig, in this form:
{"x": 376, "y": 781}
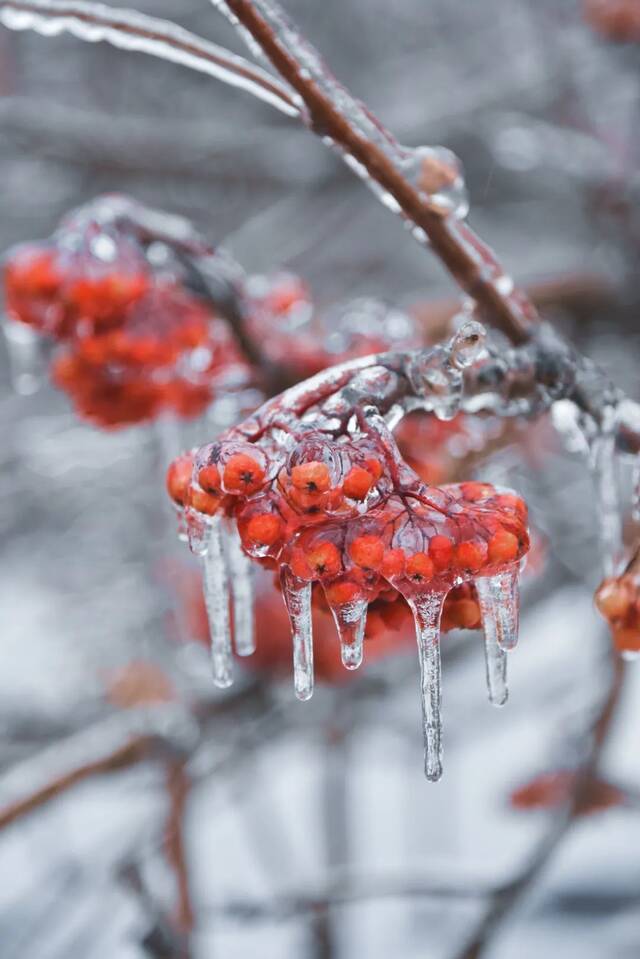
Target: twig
{"x": 130, "y": 30}
{"x": 508, "y": 899}
{"x": 178, "y": 786}
{"x": 331, "y": 111}
{"x": 134, "y": 751}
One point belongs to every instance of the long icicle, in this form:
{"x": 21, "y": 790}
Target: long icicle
{"x": 216, "y": 596}
{"x": 427, "y": 610}
{"x": 297, "y": 597}
{"x": 495, "y": 656}
{"x": 241, "y": 569}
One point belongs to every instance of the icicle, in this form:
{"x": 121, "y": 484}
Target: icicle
{"x": 241, "y": 570}
{"x": 501, "y": 597}
{"x": 604, "y": 468}
{"x": 495, "y": 656}
{"x": 198, "y": 531}
{"x": 350, "y": 620}
{"x": 216, "y": 596}
{"x": 24, "y": 347}
{"x": 297, "y": 597}
{"x": 427, "y": 610}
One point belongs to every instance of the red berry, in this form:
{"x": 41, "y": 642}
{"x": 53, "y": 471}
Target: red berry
{"x": 503, "y": 547}
{"x": 393, "y": 563}
{"x": 203, "y": 502}
{"x": 342, "y": 592}
{"x": 357, "y": 483}
{"x": 179, "y": 478}
{"x": 324, "y": 559}
{"x": 367, "y": 551}
{"x": 264, "y": 529}
{"x": 419, "y": 568}
{"x": 471, "y": 555}
{"x": 209, "y": 478}
{"x": 242, "y": 474}
{"x": 311, "y": 477}
{"x": 441, "y": 551}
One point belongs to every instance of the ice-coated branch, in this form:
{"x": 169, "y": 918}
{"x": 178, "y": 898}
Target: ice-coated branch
{"x": 386, "y": 166}
{"x": 130, "y": 30}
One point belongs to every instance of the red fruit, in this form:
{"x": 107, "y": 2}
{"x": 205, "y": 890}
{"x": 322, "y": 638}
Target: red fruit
{"x": 419, "y": 568}
{"x": 209, "y": 478}
{"x": 612, "y": 599}
{"x": 471, "y": 555}
{"x": 374, "y": 467}
{"x": 357, "y": 483}
{"x": 503, "y": 547}
{"x": 242, "y": 474}
{"x": 441, "y": 551}
{"x": 367, "y": 551}
{"x": 324, "y": 560}
{"x": 203, "y": 502}
{"x": 179, "y": 478}
{"x": 342, "y": 592}
{"x": 264, "y": 529}
{"x": 393, "y": 563}
{"x": 313, "y": 477}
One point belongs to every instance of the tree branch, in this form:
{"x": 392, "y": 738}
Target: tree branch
{"x": 360, "y": 137}
{"x": 506, "y": 901}
{"x": 130, "y": 30}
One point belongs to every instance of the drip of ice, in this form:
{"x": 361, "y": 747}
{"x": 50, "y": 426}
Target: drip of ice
{"x": 427, "y": 611}
{"x": 216, "y": 597}
{"x": 198, "y": 531}
{"x": 495, "y": 655}
{"x": 351, "y": 620}
{"x": 502, "y": 593}
{"x": 604, "y": 469}
{"x": 467, "y": 345}
{"x": 26, "y": 366}
{"x": 297, "y": 598}
{"x": 241, "y": 570}
{"x": 437, "y": 174}
{"x": 130, "y": 30}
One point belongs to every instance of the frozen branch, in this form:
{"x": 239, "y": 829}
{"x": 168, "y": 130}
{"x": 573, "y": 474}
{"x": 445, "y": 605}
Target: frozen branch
{"x": 372, "y": 152}
{"x": 130, "y": 30}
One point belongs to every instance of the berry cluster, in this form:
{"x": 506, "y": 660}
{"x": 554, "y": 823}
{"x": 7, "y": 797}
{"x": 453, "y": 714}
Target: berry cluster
{"x": 333, "y": 513}
{"x": 132, "y": 340}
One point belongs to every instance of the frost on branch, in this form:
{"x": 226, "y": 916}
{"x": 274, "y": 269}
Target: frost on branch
{"x": 315, "y": 487}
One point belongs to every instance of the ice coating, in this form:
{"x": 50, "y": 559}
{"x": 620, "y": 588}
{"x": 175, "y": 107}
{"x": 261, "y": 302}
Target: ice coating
{"x": 317, "y": 488}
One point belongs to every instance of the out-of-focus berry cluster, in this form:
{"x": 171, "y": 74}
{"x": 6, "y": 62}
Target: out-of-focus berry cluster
{"x": 132, "y": 341}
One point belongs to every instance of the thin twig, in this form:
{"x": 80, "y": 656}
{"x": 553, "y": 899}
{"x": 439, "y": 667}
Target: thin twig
{"x": 506, "y": 901}
{"x": 130, "y": 30}
{"x": 178, "y": 786}
{"x": 134, "y": 751}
